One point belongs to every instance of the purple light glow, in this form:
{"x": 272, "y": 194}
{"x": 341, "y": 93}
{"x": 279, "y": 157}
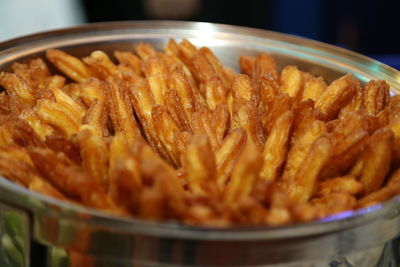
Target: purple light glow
{"x": 350, "y": 213}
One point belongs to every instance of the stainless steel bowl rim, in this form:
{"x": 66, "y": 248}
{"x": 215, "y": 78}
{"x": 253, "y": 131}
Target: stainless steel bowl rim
{"x": 33, "y": 202}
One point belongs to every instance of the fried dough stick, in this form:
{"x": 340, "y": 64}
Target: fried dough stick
{"x": 200, "y": 178}
{"x": 207, "y": 67}
{"x": 375, "y": 161}
{"x": 39, "y": 126}
{"x": 167, "y": 133}
{"x": 25, "y": 174}
{"x": 245, "y": 110}
{"x": 36, "y": 74}
{"x": 332, "y": 204}
{"x": 307, "y": 130}
{"x": 100, "y": 64}
{"x": 276, "y": 147}
{"x": 185, "y": 52}
{"x": 92, "y": 89}
{"x": 244, "y": 175}
{"x": 242, "y": 87}
{"x": 307, "y": 174}
{"x": 17, "y": 153}
{"x": 16, "y": 165}
{"x": 71, "y": 66}
{"x": 58, "y": 116}
{"x": 394, "y": 108}
{"x": 129, "y": 61}
{"x": 275, "y": 106}
{"x": 97, "y": 117}
{"x": 181, "y": 83}
{"x": 345, "y": 184}
{"x": 376, "y": 97}
{"x": 338, "y": 94}
{"x": 163, "y": 194}
{"x": 247, "y": 64}
{"x": 246, "y": 116}
{"x": 349, "y": 135}
{"x": 227, "y": 155}
{"x": 221, "y": 121}
{"x": 74, "y": 90}
{"x": 176, "y": 110}
{"x": 145, "y": 51}
{"x": 64, "y": 104}
{"x": 391, "y": 189}
{"x": 120, "y": 108}
{"x": 5, "y": 136}
{"x": 156, "y": 74}
{"x": 142, "y": 102}
{"x": 4, "y": 103}
{"x": 199, "y": 162}
{"x": 75, "y": 109}
{"x": 216, "y": 65}
{"x": 23, "y": 134}
{"x": 292, "y": 82}
{"x": 174, "y": 58}
{"x": 70, "y": 180}
{"x": 202, "y": 124}
{"x": 18, "y": 88}
{"x": 264, "y": 66}
{"x": 345, "y": 154}
{"x": 60, "y": 144}
{"x": 314, "y": 88}
{"x": 215, "y": 93}
{"x": 94, "y": 154}
{"x": 125, "y": 183}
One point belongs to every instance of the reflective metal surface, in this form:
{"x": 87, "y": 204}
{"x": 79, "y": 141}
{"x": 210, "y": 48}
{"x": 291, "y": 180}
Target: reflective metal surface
{"x": 14, "y": 237}
{"x": 72, "y": 235}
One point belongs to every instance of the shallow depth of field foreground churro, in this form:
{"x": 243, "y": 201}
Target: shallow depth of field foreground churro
{"x": 175, "y": 135}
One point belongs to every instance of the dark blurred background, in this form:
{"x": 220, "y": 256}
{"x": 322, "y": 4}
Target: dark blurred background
{"x": 368, "y": 27}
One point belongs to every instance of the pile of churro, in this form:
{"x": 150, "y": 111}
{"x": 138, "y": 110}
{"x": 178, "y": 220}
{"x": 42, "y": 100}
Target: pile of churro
{"x": 175, "y": 135}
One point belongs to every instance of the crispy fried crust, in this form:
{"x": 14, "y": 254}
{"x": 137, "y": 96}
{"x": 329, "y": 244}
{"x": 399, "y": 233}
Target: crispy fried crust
{"x": 244, "y": 175}
{"x": 313, "y": 88}
{"x": 292, "y": 82}
{"x": 70, "y": 180}
{"x": 276, "y": 147}
{"x": 376, "y": 160}
{"x": 18, "y": 88}
{"x": 226, "y": 156}
{"x": 121, "y": 111}
{"x": 201, "y": 167}
{"x": 71, "y": 66}
{"x": 94, "y": 154}
{"x": 336, "y": 96}
{"x": 307, "y": 174}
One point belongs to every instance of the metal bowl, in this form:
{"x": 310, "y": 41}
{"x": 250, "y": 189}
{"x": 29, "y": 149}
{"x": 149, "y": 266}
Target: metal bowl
{"x": 40, "y": 231}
